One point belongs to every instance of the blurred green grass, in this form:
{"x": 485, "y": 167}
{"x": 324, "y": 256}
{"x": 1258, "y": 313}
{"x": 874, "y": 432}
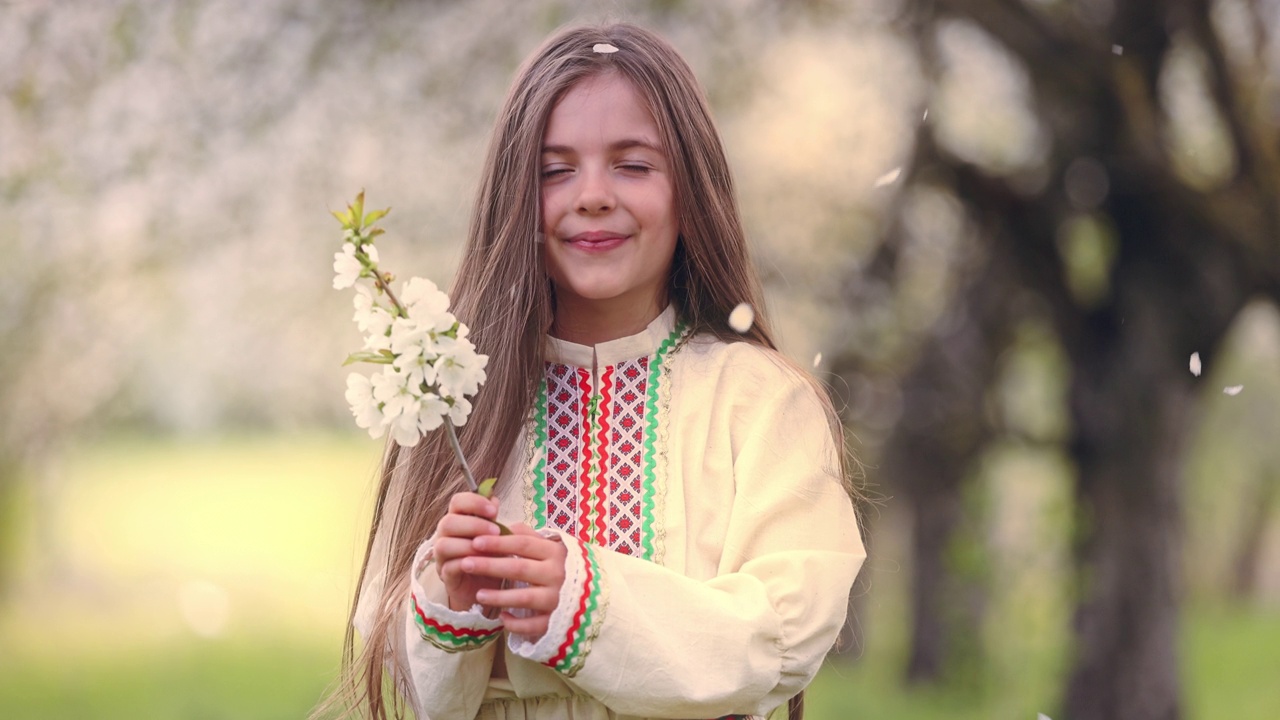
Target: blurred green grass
{"x": 96, "y": 628}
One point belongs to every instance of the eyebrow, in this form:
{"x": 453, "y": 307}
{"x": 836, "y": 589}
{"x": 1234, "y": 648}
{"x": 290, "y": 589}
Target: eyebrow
{"x": 624, "y": 144}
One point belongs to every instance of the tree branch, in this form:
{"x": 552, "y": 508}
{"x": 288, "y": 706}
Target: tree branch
{"x": 1016, "y": 225}
{"x": 1254, "y": 159}
{"x": 1040, "y": 46}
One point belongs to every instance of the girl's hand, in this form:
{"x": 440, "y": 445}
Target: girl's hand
{"x": 527, "y": 557}
{"x": 470, "y": 517}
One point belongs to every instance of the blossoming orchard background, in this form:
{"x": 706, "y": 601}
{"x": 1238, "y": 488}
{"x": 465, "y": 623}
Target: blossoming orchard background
{"x": 997, "y": 229}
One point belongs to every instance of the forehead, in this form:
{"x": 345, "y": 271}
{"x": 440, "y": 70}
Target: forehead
{"x": 601, "y": 109}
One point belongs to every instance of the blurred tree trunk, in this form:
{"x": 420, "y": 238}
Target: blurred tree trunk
{"x": 1187, "y": 260}
{"x": 929, "y": 458}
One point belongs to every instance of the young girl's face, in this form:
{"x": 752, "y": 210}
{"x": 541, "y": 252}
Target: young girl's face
{"x": 608, "y": 210}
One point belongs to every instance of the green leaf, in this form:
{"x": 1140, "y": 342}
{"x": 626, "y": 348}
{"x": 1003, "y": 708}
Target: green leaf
{"x": 343, "y": 218}
{"x": 375, "y": 216}
{"x": 369, "y": 357}
{"x": 373, "y": 233}
{"x": 486, "y": 486}
{"x": 357, "y": 212}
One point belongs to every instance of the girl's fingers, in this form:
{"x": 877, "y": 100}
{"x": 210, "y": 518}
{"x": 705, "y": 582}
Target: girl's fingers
{"x": 531, "y": 546}
{"x": 466, "y": 526}
{"x": 508, "y": 568}
{"x": 538, "y": 599}
{"x": 451, "y": 572}
{"x": 534, "y": 627}
{"x": 451, "y": 548}
{"x": 469, "y": 503}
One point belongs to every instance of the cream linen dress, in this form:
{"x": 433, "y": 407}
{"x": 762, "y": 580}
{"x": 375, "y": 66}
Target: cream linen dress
{"x": 711, "y": 546}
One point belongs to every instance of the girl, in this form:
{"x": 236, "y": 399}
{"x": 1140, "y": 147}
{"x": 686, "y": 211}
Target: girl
{"x": 683, "y": 539}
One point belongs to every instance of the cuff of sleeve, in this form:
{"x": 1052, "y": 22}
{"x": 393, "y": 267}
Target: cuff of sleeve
{"x": 578, "y": 616}
{"x": 448, "y": 630}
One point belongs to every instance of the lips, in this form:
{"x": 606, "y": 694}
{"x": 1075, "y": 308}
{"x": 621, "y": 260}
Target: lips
{"x": 596, "y": 240}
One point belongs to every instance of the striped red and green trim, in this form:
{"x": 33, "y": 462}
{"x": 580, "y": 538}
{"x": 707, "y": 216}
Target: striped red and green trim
{"x": 448, "y": 637}
{"x": 572, "y": 653}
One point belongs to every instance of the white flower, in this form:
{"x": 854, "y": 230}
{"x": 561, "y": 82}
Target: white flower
{"x": 423, "y": 300}
{"x": 1195, "y": 364}
{"x": 416, "y": 367}
{"x": 386, "y": 386}
{"x": 379, "y": 331}
{"x": 460, "y": 411}
{"x": 346, "y": 267}
{"x": 370, "y": 316}
{"x": 404, "y": 424}
{"x": 406, "y": 333}
{"x": 445, "y": 322}
{"x": 432, "y": 412}
{"x": 371, "y": 251}
{"x": 461, "y": 370}
{"x": 363, "y": 405}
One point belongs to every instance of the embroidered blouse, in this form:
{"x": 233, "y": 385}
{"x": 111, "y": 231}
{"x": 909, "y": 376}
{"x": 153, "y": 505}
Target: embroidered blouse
{"x": 711, "y": 545}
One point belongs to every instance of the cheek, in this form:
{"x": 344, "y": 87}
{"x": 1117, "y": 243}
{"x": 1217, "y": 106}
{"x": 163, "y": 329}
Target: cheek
{"x": 544, "y": 210}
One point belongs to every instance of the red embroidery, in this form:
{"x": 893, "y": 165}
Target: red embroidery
{"x": 593, "y": 480}
{"x": 606, "y": 458}
{"x": 584, "y": 475}
{"x": 577, "y": 616}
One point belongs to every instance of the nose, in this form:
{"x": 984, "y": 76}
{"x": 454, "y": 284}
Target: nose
{"x": 595, "y": 192}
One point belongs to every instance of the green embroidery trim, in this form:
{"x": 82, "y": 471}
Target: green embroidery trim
{"x": 540, "y": 448}
{"x": 450, "y": 642}
{"x": 590, "y": 628}
{"x": 650, "y": 437}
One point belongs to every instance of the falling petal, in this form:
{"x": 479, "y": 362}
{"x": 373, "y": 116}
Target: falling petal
{"x": 604, "y": 48}
{"x": 817, "y": 360}
{"x": 741, "y": 318}
{"x": 889, "y": 177}
{"x": 1232, "y": 389}
{"x": 1195, "y": 364}
{"x": 1118, "y": 50}
{"x": 1042, "y": 716}
{"x": 926, "y": 114}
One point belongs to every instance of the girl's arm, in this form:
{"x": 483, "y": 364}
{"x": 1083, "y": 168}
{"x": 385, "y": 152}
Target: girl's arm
{"x": 649, "y": 641}
{"x": 451, "y": 643}
{"x": 450, "y": 652}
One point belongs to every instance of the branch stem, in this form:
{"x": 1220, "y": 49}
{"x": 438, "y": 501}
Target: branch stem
{"x": 457, "y": 450}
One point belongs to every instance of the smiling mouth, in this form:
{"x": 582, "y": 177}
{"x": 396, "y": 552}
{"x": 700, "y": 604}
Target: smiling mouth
{"x": 596, "y": 241}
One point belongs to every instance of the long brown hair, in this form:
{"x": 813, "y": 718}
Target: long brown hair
{"x": 503, "y": 293}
